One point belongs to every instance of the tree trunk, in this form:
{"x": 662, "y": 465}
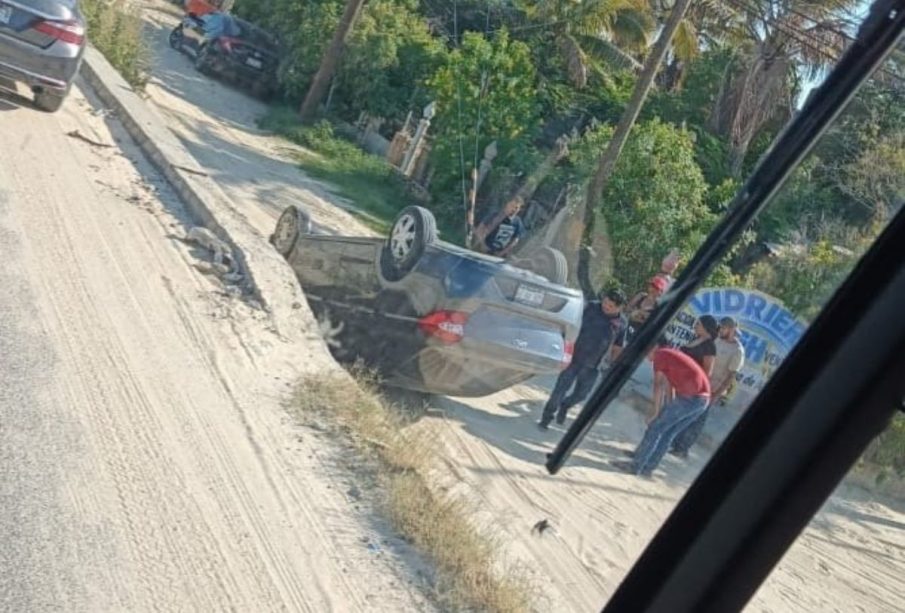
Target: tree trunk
{"x": 609, "y": 157}
{"x": 330, "y": 61}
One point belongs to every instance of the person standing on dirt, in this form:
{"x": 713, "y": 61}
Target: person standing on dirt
{"x": 601, "y": 323}
{"x": 730, "y": 357}
{"x": 638, "y": 310}
{"x": 499, "y": 233}
{"x": 703, "y": 347}
{"x": 681, "y": 393}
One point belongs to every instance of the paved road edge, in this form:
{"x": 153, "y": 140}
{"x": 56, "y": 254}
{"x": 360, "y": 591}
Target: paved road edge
{"x": 268, "y": 278}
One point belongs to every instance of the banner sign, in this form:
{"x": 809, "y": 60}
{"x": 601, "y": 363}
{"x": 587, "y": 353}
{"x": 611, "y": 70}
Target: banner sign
{"x": 767, "y": 330}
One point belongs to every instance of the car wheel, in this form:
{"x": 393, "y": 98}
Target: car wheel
{"x": 414, "y": 229}
{"x": 555, "y": 265}
{"x": 176, "y": 38}
{"x": 291, "y": 224}
{"x": 203, "y": 60}
{"x": 49, "y": 102}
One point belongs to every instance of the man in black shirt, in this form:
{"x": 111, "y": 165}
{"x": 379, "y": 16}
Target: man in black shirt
{"x": 601, "y": 323}
{"x": 499, "y": 233}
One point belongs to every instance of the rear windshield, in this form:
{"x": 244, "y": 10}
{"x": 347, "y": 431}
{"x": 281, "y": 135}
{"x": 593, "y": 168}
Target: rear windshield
{"x": 255, "y": 36}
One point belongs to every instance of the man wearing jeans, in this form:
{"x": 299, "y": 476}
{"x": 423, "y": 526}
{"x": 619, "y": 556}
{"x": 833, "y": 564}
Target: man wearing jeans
{"x": 730, "y": 358}
{"x": 601, "y": 323}
{"x": 683, "y": 389}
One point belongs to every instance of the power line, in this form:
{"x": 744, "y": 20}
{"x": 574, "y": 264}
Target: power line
{"x": 459, "y": 105}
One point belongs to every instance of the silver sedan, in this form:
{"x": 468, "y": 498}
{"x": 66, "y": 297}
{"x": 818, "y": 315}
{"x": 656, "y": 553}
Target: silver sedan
{"x": 41, "y": 45}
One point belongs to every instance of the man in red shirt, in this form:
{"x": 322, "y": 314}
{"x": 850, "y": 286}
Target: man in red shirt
{"x": 681, "y": 395}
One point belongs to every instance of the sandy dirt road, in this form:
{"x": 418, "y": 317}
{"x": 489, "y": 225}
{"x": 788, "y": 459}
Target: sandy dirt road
{"x": 146, "y": 462}
{"x": 851, "y": 559}
{"x": 218, "y": 125}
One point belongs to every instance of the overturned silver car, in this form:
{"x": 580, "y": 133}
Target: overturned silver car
{"x": 431, "y": 316}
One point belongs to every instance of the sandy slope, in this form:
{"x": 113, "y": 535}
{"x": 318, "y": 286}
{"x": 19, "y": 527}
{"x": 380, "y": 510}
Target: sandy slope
{"x": 852, "y": 557}
{"x": 146, "y": 462}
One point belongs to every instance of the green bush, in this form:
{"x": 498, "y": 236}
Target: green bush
{"x": 485, "y": 92}
{"x": 888, "y": 450}
{"x": 115, "y": 28}
{"x": 389, "y": 56}
{"x": 655, "y": 200}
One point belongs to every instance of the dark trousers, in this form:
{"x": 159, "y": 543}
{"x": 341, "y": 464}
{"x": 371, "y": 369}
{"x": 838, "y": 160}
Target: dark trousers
{"x": 689, "y": 436}
{"x": 582, "y": 377}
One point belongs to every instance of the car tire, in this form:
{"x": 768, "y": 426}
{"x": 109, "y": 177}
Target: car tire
{"x": 49, "y": 102}
{"x": 554, "y": 264}
{"x": 292, "y": 223}
{"x": 203, "y": 61}
{"x": 413, "y": 230}
{"x": 176, "y": 38}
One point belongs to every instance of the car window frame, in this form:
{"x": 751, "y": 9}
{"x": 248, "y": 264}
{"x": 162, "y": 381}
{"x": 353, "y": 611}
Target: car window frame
{"x": 835, "y": 392}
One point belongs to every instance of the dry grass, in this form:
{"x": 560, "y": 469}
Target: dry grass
{"x": 467, "y": 577}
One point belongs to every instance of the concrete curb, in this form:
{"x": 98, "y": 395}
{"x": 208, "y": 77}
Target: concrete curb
{"x": 267, "y": 277}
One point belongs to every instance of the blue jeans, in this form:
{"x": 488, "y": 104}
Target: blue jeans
{"x": 689, "y": 436}
{"x": 673, "y": 418}
{"x": 583, "y": 378}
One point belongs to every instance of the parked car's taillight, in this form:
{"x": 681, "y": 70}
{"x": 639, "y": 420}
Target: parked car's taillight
{"x": 226, "y": 43}
{"x": 71, "y": 32}
{"x": 447, "y": 326}
{"x": 567, "y": 351}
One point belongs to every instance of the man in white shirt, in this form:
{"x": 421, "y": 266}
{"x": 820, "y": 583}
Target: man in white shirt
{"x": 730, "y": 357}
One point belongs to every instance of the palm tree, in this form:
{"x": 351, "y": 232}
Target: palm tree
{"x": 707, "y": 24}
{"x": 590, "y": 33}
{"x": 607, "y": 162}
{"x": 785, "y": 41}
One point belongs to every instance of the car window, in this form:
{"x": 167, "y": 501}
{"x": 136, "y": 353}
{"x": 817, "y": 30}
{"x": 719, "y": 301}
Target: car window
{"x": 855, "y": 545}
{"x": 474, "y": 208}
{"x": 470, "y": 328}
{"x": 253, "y": 35}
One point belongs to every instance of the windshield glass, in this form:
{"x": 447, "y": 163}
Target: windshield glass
{"x": 296, "y": 327}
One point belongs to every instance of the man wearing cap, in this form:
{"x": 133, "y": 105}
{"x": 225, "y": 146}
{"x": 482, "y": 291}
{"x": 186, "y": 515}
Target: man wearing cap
{"x": 601, "y": 322}
{"x": 730, "y": 357}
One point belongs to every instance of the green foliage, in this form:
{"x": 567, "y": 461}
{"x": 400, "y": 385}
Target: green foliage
{"x": 805, "y": 277}
{"x": 655, "y": 200}
{"x": 486, "y": 91}
{"x": 365, "y": 179}
{"x": 115, "y": 29}
{"x": 888, "y": 450}
{"x": 389, "y": 56}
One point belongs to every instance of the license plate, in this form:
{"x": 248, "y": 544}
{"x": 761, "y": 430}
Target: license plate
{"x": 6, "y": 13}
{"x": 253, "y": 62}
{"x": 529, "y": 295}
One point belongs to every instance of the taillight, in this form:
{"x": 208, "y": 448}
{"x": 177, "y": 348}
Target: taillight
{"x": 226, "y": 43}
{"x": 447, "y": 326}
{"x": 71, "y": 32}
{"x": 567, "y": 351}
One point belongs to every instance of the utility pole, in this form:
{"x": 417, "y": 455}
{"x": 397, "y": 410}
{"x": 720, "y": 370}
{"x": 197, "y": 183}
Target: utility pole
{"x": 330, "y": 61}
{"x": 607, "y": 162}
